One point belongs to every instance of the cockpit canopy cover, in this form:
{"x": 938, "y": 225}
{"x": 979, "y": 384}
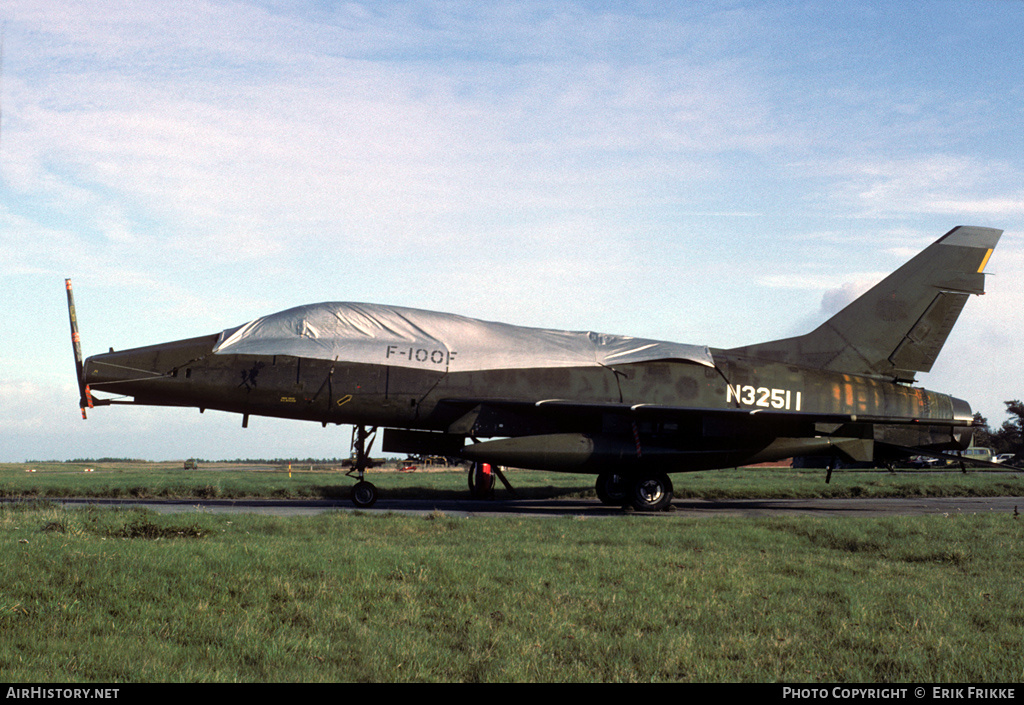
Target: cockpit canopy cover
{"x": 405, "y": 337}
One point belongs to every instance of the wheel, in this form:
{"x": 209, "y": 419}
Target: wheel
{"x": 481, "y": 481}
{"x": 611, "y": 488}
{"x": 651, "y": 492}
{"x": 364, "y": 494}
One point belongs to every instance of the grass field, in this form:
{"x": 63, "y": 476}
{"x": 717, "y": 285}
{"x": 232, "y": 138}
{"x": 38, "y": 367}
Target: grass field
{"x": 122, "y": 596}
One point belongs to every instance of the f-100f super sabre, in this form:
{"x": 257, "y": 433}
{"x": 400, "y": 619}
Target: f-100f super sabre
{"x": 629, "y": 410}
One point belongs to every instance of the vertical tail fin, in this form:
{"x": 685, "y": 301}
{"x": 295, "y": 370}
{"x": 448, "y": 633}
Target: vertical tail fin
{"x": 899, "y": 326}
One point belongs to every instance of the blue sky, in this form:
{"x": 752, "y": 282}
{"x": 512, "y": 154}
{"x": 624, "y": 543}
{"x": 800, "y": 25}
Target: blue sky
{"x": 719, "y": 173}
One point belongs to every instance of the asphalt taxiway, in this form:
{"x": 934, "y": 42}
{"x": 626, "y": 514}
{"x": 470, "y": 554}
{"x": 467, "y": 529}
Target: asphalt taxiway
{"x": 696, "y": 508}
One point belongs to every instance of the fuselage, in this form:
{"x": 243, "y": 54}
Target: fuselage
{"x": 607, "y": 402}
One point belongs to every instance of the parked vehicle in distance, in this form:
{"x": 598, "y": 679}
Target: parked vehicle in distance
{"x": 976, "y": 453}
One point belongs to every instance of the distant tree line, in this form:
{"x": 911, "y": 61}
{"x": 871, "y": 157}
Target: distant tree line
{"x": 248, "y": 461}
{"x": 94, "y": 460}
{"x": 279, "y": 461}
{"x": 1008, "y": 438}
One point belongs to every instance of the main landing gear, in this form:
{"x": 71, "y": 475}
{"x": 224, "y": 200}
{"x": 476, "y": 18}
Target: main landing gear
{"x": 364, "y": 494}
{"x": 644, "y": 491}
{"x": 481, "y": 480}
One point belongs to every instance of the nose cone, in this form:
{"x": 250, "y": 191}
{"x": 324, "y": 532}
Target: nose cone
{"x": 143, "y": 370}
{"x": 107, "y": 369}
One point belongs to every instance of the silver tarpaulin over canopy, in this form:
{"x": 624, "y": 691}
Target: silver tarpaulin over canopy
{"x": 405, "y": 337}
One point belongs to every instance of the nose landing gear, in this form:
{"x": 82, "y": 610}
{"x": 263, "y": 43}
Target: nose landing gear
{"x": 364, "y": 494}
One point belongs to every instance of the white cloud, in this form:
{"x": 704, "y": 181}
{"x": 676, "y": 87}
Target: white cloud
{"x": 932, "y": 183}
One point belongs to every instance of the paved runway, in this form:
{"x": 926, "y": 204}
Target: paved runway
{"x": 696, "y": 508}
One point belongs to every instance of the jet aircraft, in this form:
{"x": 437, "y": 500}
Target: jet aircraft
{"x": 631, "y": 411}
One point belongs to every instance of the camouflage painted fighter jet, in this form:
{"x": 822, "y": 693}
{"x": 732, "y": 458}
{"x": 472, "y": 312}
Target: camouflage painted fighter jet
{"x": 630, "y": 411}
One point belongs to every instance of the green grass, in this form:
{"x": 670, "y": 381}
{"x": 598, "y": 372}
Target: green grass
{"x": 169, "y": 480}
{"x": 350, "y": 596}
{"x": 102, "y": 595}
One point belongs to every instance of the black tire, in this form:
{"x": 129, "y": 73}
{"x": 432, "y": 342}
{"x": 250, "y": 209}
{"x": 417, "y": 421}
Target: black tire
{"x": 481, "y": 484}
{"x": 612, "y": 489}
{"x": 364, "y": 494}
{"x": 651, "y": 492}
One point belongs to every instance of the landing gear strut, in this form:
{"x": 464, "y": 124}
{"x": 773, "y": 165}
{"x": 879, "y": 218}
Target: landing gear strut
{"x": 364, "y": 494}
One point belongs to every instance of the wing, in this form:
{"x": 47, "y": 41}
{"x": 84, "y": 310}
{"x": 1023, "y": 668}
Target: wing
{"x": 572, "y": 436}
{"x": 514, "y": 412}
